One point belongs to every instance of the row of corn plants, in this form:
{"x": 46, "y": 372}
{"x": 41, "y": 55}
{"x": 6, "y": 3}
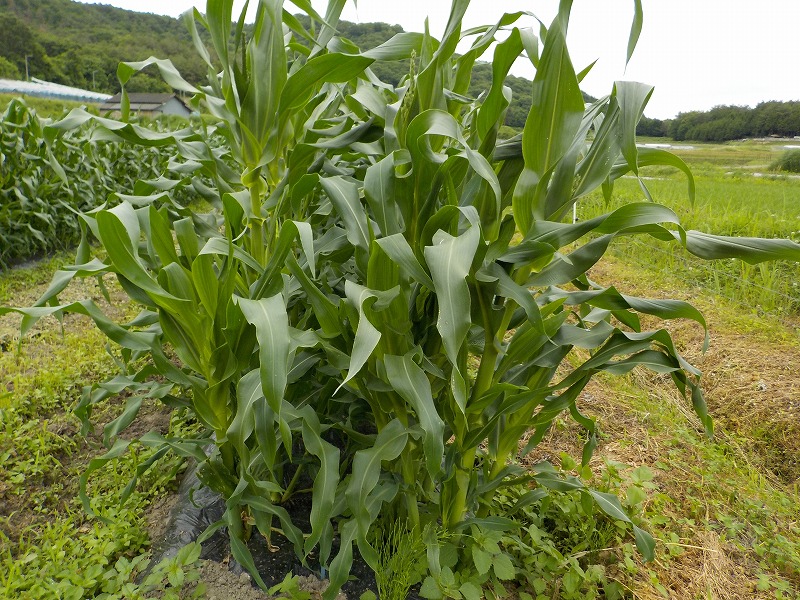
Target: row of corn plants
{"x": 384, "y": 298}
{"x": 43, "y": 187}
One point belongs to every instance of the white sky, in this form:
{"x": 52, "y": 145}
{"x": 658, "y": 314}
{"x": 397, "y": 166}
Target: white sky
{"x": 697, "y": 53}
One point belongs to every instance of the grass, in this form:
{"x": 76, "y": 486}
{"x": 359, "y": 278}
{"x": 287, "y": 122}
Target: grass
{"x": 49, "y": 547}
{"x": 728, "y": 202}
{"x": 724, "y": 508}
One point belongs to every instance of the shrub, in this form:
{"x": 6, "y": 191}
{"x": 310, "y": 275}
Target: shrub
{"x": 789, "y": 162}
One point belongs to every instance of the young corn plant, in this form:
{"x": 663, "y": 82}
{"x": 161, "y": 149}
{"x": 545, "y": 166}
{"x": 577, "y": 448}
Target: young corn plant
{"x": 384, "y": 296}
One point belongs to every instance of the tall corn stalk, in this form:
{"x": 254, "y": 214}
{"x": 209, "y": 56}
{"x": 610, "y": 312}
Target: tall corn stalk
{"x": 368, "y": 246}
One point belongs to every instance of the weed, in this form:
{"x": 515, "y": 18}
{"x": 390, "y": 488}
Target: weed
{"x": 401, "y": 562}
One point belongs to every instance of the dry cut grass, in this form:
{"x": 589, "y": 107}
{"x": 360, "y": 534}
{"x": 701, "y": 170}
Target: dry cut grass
{"x": 719, "y": 505}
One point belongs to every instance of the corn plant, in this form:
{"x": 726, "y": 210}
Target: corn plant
{"x": 43, "y": 186}
{"x": 384, "y": 298}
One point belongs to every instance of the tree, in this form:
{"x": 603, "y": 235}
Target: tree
{"x": 8, "y": 70}
{"x": 18, "y": 45}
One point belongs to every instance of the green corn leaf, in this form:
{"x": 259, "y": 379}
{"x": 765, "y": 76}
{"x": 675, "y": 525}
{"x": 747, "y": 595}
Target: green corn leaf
{"x": 204, "y": 279}
{"x": 412, "y": 384}
{"x": 271, "y": 321}
{"x": 344, "y": 195}
{"x": 248, "y": 392}
{"x": 332, "y": 67}
{"x": 397, "y": 248}
{"x": 400, "y": 46}
{"x": 218, "y": 16}
{"x": 656, "y": 156}
{"x": 325, "y": 483}
{"x": 632, "y": 98}
{"x": 222, "y": 247}
{"x": 597, "y": 165}
{"x": 326, "y": 312}
{"x": 266, "y": 56}
{"x": 430, "y": 80}
{"x": 636, "y": 29}
{"x": 367, "y": 336}
{"x": 751, "y": 250}
{"x": 379, "y": 191}
{"x": 340, "y": 566}
{"x": 495, "y": 104}
{"x": 657, "y": 362}
{"x": 555, "y": 116}
{"x": 449, "y": 260}
{"x": 120, "y": 237}
{"x": 133, "y": 340}
{"x": 161, "y": 237}
{"x": 367, "y": 469}
{"x": 168, "y": 71}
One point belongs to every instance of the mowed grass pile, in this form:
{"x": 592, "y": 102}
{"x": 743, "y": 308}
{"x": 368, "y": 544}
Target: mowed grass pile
{"x": 725, "y": 508}
{"x": 733, "y": 198}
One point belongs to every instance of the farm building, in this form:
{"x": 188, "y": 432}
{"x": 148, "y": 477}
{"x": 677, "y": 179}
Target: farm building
{"x": 46, "y": 89}
{"x": 149, "y": 105}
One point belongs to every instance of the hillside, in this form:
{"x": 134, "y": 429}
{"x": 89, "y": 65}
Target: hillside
{"x": 82, "y": 44}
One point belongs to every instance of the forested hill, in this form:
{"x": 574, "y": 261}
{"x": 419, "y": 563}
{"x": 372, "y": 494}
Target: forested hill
{"x": 723, "y": 123}
{"x": 82, "y": 44}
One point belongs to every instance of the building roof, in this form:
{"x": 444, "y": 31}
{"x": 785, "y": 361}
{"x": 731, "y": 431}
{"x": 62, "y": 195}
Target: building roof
{"x": 47, "y": 89}
{"x": 141, "y": 102}
{"x": 136, "y": 98}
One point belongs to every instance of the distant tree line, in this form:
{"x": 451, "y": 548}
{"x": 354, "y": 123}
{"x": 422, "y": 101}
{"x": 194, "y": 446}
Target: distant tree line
{"x": 82, "y": 44}
{"x": 723, "y": 123}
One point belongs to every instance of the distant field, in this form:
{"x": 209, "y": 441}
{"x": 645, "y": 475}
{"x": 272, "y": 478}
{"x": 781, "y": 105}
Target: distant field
{"x": 736, "y": 195}
{"x": 746, "y": 156}
{"x": 45, "y": 107}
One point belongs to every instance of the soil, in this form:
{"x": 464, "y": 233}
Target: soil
{"x": 177, "y": 520}
{"x": 222, "y": 584}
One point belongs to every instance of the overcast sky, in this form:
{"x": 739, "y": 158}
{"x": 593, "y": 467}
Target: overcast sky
{"x": 697, "y": 53}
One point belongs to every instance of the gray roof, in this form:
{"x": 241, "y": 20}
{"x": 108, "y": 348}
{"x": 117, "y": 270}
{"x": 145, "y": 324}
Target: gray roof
{"x": 141, "y": 102}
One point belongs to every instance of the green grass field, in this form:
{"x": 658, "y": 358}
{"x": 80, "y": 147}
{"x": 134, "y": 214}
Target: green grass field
{"x": 730, "y": 200}
{"x": 46, "y": 107}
